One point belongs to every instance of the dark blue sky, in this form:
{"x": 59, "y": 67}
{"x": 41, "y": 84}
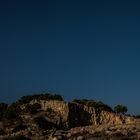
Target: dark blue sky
{"x": 76, "y": 48}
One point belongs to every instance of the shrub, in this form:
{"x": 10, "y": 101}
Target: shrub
{"x": 49, "y": 110}
{"x": 120, "y": 109}
{"x": 97, "y": 105}
{"x": 137, "y": 116}
{"x": 12, "y": 111}
{"x": 3, "y": 107}
{"x": 47, "y": 96}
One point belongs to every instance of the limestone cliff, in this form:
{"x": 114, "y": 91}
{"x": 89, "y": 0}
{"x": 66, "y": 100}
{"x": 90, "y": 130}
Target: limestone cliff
{"x": 80, "y": 115}
{"x": 112, "y": 118}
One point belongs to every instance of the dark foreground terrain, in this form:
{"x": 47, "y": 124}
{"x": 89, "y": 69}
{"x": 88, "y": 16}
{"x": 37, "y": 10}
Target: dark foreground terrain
{"x": 116, "y": 132}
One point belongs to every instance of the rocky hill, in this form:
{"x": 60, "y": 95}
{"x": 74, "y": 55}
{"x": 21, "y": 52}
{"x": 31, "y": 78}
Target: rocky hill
{"x": 48, "y": 117}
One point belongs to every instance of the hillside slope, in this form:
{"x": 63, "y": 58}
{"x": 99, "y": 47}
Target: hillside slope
{"x": 41, "y": 118}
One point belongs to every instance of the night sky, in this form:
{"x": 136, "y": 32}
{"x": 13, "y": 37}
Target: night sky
{"x": 79, "y": 49}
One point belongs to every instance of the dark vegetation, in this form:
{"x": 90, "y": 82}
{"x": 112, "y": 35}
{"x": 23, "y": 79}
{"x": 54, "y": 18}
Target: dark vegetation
{"x": 137, "y": 116}
{"x": 97, "y": 105}
{"x": 12, "y": 111}
{"x": 120, "y": 109}
{"x": 49, "y": 110}
{"x": 3, "y": 107}
{"x": 47, "y": 96}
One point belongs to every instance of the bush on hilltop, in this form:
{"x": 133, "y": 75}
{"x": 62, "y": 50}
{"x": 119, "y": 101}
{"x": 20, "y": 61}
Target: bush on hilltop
{"x": 97, "y": 105}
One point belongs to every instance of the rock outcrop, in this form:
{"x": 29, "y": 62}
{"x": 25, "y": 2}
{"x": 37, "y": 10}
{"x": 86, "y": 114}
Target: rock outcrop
{"x": 74, "y": 114}
{"x": 60, "y": 120}
{"x": 112, "y": 118}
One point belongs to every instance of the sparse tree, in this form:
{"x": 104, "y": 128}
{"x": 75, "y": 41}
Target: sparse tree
{"x": 3, "y": 107}
{"x": 12, "y": 111}
{"x": 137, "y": 116}
{"x": 120, "y": 109}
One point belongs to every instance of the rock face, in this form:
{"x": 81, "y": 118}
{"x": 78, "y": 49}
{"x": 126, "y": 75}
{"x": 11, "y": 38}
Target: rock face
{"x": 112, "y": 118}
{"x": 72, "y": 114}
{"x": 79, "y": 115}
{"x": 60, "y": 107}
